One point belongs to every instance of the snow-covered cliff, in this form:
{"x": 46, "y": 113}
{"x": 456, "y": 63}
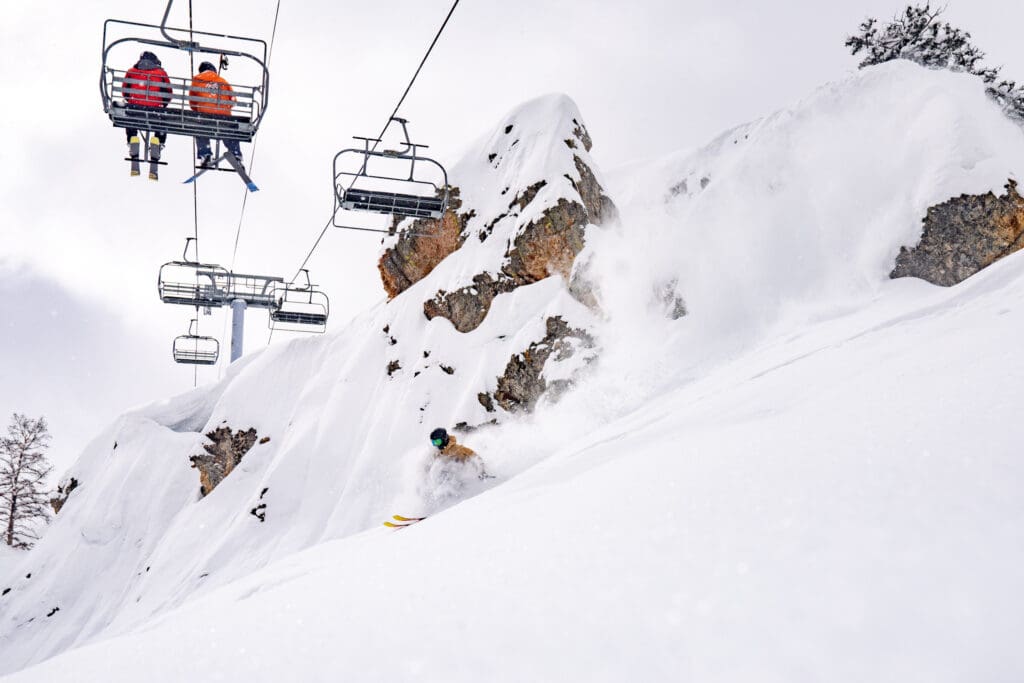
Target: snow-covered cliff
{"x": 807, "y": 475}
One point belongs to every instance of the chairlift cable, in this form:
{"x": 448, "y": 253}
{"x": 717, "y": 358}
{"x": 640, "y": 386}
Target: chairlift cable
{"x": 398, "y": 106}
{"x": 195, "y": 186}
{"x": 252, "y": 151}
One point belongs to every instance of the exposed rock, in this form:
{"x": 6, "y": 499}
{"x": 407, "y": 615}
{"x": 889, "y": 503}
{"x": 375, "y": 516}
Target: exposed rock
{"x": 64, "y": 490}
{"x": 543, "y": 247}
{"x": 260, "y": 511}
{"x": 522, "y": 384}
{"x": 393, "y": 367}
{"x": 223, "y": 455}
{"x": 486, "y": 400}
{"x": 466, "y": 428}
{"x": 964, "y": 235}
{"x": 548, "y": 246}
{"x": 467, "y": 307}
{"x": 600, "y": 208}
{"x": 580, "y": 131}
{"x": 423, "y": 245}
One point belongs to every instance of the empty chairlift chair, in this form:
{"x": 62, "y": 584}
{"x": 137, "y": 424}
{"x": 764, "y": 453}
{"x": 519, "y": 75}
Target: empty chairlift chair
{"x": 400, "y": 182}
{"x": 299, "y": 308}
{"x": 194, "y": 349}
{"x": 178, "y": 118}
{"x": 189, "y": 283}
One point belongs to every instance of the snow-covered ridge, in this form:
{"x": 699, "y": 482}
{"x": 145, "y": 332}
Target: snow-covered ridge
{"x": 723, "y": 462}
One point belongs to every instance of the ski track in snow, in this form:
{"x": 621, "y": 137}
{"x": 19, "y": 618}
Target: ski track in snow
{"x": 811, "y": 476}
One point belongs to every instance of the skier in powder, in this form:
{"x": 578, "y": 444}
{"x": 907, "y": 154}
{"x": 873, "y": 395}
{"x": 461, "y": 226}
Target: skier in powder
{"x": 211, "y": 94}
{"x": 448, "y": 447}
{"x": 452, "y": 472}
{"x": 146, "y": 85}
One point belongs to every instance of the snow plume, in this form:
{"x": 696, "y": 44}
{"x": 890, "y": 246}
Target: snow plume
{"x": 775, "y": 473}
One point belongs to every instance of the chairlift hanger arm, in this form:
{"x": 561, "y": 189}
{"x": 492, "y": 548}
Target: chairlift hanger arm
{"x": 163, "y": 29}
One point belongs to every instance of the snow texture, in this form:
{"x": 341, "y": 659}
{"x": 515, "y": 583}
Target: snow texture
{"x": 811, "y": 476}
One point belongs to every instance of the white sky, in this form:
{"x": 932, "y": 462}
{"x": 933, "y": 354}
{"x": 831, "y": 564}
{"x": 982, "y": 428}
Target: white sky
{"x": 82, "y": 242}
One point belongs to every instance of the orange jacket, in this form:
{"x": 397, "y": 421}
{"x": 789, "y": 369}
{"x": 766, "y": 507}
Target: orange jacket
{"x": 210, "y": 94}
{"x": 455, "y": 451}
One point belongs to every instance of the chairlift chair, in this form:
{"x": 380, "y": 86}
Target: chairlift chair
{"x": 194, "y": 349}
{"x": 399, "y": 188}
{"x": 190, "y": 283}
{"x": 297, "y": 308}
{"x": 177, "y": 118}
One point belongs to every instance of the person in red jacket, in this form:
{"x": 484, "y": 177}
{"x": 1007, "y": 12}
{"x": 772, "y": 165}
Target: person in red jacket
{"x": 146, "y": 85}
{"x": 211, "y": 94}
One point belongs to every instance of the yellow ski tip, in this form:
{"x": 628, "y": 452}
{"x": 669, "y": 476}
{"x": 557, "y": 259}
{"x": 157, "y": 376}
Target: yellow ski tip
{"x": 395, "y": 526}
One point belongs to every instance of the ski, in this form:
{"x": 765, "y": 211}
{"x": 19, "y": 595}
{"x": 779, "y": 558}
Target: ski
{"x": 200, "y": 170}
{"x": 240, "y": 170}
{"x": 392, "y": 525}
{"x": 402, "y": 522}
{"x": 236, "y": 167}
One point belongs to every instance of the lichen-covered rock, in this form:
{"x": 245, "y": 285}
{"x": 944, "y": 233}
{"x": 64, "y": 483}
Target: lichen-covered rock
{"x": 548, "y": 246}
{"x": 421, "y": 246}
{"x": 223, "y": 455}
{"x": 964, "y": 235}
{"x": 64, "y": 490}
{"x": 523, "y": 383}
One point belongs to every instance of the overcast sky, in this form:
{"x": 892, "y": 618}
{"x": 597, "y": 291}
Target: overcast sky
{"x": 82, "y": 241}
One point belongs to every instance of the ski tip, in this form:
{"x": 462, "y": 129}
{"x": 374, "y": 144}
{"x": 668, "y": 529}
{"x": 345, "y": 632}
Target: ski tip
{"x": 252, "y": 187}
{"x": 188, "y": 182}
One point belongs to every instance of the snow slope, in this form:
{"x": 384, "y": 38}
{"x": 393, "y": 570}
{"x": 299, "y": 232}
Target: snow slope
{"x": 809, "y": 477}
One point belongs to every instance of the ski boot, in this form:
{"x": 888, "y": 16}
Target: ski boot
{"x": 133, "y": 154}
{"x": 154, "y": 158}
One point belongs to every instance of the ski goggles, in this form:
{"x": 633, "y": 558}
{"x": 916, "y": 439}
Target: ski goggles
{"x": 437, "y": 442}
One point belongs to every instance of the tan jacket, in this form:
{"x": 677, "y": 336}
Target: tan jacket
{"x": 456, "y": 452}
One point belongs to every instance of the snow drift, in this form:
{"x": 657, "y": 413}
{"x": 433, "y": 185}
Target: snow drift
{"x": 808, "y": 475}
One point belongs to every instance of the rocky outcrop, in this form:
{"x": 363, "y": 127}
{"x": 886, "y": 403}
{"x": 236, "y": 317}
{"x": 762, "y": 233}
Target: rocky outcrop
{"x": 548, "y": 246}
{"x": 467, "y": 307}
{"x": 222, "y": 456}
{"x": 64, "y": 490}
{"x": 421, "y": 246}
{"x": 523, "y": 383}
{"x": 543, "y": 247}
{"x": 964, "y": 235}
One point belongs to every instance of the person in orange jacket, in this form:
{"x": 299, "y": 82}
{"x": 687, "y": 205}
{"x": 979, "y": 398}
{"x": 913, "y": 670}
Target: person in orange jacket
{"x": 211, "y": 94}
{"x": 448, "y": 447}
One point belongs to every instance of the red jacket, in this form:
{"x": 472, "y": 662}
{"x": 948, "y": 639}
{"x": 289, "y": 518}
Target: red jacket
{"x": 147, "y": 87}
